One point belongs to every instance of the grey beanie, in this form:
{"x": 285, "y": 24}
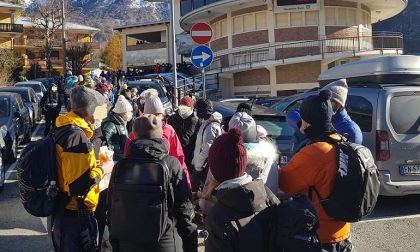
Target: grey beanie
{"x": 85, "y": 100}
{"x": 339, "y": 90}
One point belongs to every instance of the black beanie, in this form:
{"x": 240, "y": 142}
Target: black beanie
{"x": 244, "y": 107}
{"x": 317, "y": 111}
{"x": 204, "y": 107}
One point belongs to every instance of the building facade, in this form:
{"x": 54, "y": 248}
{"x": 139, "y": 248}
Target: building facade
{"x": 8, "y": 27}
{"x": 29, "y": 45}
{"x": 280, "y": 47}
{"x": 144, "y": 45}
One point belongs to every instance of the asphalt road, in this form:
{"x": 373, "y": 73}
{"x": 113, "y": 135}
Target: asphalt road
{"x": 392, "y": 227}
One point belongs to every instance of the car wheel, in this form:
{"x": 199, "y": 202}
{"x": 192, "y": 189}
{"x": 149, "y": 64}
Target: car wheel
{"x": 2, "y": 175}
{"x": 28, "y": 135}
{"x": 11, "y": 154}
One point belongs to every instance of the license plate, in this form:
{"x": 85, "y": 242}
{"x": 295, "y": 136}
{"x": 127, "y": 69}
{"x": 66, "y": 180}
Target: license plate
{"x": 410, "y": 169}
{"x": 284, "y": 160}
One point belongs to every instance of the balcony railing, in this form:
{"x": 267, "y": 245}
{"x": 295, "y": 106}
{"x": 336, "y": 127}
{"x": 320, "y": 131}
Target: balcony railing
{"x": 240, "y": 58}
{"x": 16, "y": 28}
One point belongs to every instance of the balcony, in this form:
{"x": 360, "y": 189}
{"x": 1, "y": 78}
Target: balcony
{"x": 12, "y": 28}
{"x": 146, "y": 46}
{"x": 240, "y": 59}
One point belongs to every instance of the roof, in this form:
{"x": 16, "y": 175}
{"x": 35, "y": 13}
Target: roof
{"x": 256, "y": 109}
{"x": 119, "y": 28}
{"x": 10, "y": 5}
{"x": 27, "y": 22}
{"x": 8, "y": 94}
{"x": 381, "y": 66}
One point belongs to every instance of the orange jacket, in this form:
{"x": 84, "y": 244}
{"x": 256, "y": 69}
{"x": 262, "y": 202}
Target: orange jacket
{"x": 316, "y": 165}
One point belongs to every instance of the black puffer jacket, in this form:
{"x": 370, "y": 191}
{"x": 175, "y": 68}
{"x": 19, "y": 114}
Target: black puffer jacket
{"x": 236, "y": 204}
{"x": 51, "y": 102}
{"x": 181, "y": 213}
{"x": 184, "y": 123}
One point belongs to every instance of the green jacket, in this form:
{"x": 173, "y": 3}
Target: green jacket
{"x": 115, "y": 132}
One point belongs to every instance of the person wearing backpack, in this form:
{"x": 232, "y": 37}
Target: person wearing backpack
{"x": 114, "y": 128}
{"x": 74, "y": 227}
{"x": 51, "y": 106}
{"x": 234, "y": 222}
{"x": 137, "y": 223}
{"x": 184, "y": 122}
{"x": 315, "y": 166}
{"x": 153, "y": 105}
{"x": 341, "y": 120}
{"x": 209, "y": 130}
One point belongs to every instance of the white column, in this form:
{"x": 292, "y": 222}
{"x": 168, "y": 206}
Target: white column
{"x": 273, "y": 80}
{"x": 321, "y": 21}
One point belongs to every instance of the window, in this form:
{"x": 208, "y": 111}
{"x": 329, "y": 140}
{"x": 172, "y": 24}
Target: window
{"x": 296, "y": 19}
{"x": 360, "y": 110}
{"x": 365, "y": 19}
{"x": 237, "y": 25}
{"x": 261, "y": 21}
{"x": 351, "y": 17}
{"x": 217, "y": 30}
{"x": 282, "y": 19}
{"x": 4, "y": 107}
{"x": 311, "y": 18}
{"x": 294, "y": 105}
{"x": 330, "y": 18}
{"x": 223, "y": 28}
{"x": 407, "y": 122}
{"x": 342, "y": 16}
{"x": 248, "y": 22}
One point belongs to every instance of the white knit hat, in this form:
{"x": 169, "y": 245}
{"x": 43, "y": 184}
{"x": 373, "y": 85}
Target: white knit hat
{"x": 80, "y": 79}
{"x": 246, "y": 124}
{"x": 339, "y": 90}
{"x": 152, "y": 102}
{"x": 122, "y": 106}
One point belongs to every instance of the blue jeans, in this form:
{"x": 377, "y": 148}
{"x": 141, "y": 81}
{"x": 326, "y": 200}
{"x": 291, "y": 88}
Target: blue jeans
{"x": 343, "y": 246}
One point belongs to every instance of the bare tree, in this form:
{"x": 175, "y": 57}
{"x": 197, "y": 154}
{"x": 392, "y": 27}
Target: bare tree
{"x": 47, "y": 17}
{"x": 79, "y": 55}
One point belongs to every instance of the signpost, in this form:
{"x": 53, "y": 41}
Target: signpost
{"x": 202, "y": 56}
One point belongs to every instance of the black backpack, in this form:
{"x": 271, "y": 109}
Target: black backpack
{"x": 142, "y": 200}
{"x": 294, "y": 226}
{"x": 289, "y": 226}
{"x": 356, "y": 186}
{"x": 36, "y": 171}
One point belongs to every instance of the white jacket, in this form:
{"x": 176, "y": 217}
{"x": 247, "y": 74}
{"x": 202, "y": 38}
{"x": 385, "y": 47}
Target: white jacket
{"x": 209, "y": 130}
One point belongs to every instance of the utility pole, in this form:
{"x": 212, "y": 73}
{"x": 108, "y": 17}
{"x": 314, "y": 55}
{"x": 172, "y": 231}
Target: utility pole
{"x": 174, "y": 54}
{"x": 63, "y": 37}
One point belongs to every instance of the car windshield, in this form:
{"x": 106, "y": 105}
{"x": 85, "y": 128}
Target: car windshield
{"x": 407, "y": 122}
{"x": 36, "y": 87}
{"x": 143, "y": 87}
{"x": 276, "y": 129}
{"x": 4, "y": 107}
{"x": 23, "y": 93}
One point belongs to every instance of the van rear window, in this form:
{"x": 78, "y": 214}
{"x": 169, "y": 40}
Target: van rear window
{"x": 405, "y": 114}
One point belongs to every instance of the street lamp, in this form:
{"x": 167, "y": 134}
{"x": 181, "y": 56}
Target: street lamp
{"x": 63, "y": 38}
{"x": 173, "y": 45}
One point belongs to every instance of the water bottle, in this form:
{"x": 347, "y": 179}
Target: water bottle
{"x": 52, "y": 190}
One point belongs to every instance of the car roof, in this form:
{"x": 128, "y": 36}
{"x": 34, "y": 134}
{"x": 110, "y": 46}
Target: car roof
{"x": 29, "y": 82}
{"x": 8, "y": 94}
{"x": 139, "y": 82}
{"x": 256, "y": 109}
{"x": 16, "y": 88}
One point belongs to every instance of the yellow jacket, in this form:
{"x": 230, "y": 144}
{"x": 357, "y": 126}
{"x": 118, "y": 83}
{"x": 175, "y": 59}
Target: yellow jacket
{"x": 76, "y": 162}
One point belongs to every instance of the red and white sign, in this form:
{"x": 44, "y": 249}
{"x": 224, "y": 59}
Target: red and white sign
{"x": 201, "y": 33}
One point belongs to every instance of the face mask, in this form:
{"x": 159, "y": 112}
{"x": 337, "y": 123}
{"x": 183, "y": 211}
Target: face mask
{"x": 127, "y": 117}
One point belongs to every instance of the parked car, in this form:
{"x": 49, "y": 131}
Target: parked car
{"x": 30, "y": 99}
{"x": 273, "y": 121}
{"x": 163, "y": 94}
{"x": 2, "y": 167}
{"x": 39, "y": 88}
{"x": 47, "y": 82}
{"x": 14, "y": 119}
{"x": 384, "y": 102}
{"x": 168, "y": 80}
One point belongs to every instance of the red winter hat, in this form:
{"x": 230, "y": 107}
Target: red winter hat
{"x": 187, "y": 101}
{"x": 227, "y": 156}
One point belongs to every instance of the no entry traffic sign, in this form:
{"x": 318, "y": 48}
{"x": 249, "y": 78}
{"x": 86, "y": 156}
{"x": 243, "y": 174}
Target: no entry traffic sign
{"x": 201, "y": 33}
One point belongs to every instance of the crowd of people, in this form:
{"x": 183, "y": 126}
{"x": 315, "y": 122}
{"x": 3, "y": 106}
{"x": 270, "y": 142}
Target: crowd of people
{"x": 167, "y": 170}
